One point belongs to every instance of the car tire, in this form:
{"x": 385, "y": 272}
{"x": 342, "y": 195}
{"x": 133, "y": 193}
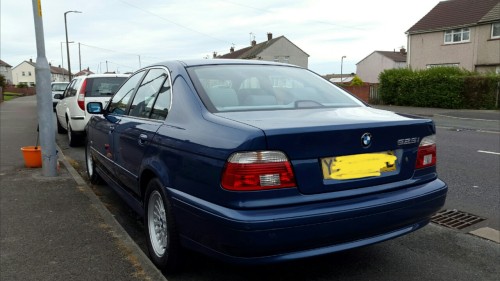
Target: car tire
{"x": 71, "y": 136}
{"x": 161, "y": 231}
{"x": 60, "y": 128}
{"x": 94, "y": 177}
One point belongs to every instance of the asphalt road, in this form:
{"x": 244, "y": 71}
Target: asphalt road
{"x": 432, "y": 253}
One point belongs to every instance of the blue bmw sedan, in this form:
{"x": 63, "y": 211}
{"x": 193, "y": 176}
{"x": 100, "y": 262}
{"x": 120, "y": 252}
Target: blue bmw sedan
{"x": 256, "y": 162}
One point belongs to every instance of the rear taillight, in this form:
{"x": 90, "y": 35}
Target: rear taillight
{"x": 81, "y": 96}
{"x": 258, "y": 170}
{"x": 426, "y": 155}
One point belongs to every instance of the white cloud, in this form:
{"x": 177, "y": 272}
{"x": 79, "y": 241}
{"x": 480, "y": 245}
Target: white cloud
{"x": 119, "y": 31}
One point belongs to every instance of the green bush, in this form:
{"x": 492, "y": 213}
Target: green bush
{"x": 3, "y": 81}
{"x": 356, "y": 81}
{"x": 442, "y": 87}
{"x": 22, "y": 85}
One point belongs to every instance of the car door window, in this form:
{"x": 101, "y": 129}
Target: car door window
{"x": 69, "y": 89}
{"x": 163, "y": 101}
{"x": 144, "y": 98}
{"x": 119, "y": 102}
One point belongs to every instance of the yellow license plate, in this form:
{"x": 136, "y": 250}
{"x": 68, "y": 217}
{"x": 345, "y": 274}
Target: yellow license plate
{"x": 358, "y": 165}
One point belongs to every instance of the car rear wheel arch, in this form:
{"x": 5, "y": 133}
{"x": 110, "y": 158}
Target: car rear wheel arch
{"x": 147, "y": 175}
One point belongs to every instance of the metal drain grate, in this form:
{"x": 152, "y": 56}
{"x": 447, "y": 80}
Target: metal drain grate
{"x": 455, "y": 219}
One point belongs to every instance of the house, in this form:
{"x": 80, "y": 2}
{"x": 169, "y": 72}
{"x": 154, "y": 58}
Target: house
{"x": 369, "y": 68}
{"x": 337, "y": 78}
{"x": 84, "y": 72}
{"x": 24, "y": 73}
{"x": 6, "y": 71}
{"x": 460, "y": 33}
{"x": 278, "y": 49}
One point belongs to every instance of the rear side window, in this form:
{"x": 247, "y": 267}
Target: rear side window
{"x": 145, "y": 97}
{"x": 71, "y": 89}
{"x": 119, "y": 102}
{"x": 103, "y": 86}
{"x": 163, "y": 102}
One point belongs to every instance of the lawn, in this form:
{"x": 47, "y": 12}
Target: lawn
{"x": 7, "y": 96}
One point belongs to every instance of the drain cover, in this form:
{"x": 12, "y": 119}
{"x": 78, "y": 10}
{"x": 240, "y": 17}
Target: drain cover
{"x": 455, "y": 219}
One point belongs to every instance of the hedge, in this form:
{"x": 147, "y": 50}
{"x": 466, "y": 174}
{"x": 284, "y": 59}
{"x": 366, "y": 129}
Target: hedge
{"x": 441, "y": 87}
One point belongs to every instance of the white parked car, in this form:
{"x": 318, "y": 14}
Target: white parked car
{"x": 71, "y": 112}
{"x": 57, "y": 88}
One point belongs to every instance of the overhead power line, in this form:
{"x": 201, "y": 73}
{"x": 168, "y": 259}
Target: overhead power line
{"x": 173, "y": 22}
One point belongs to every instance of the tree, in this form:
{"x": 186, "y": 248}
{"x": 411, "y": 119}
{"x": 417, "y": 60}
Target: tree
{"x": 3, "y": 81}
{"x": 356, "y": 81}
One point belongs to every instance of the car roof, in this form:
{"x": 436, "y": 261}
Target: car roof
{"x": 104, "y": 75}
{"x": 201, "y": 62}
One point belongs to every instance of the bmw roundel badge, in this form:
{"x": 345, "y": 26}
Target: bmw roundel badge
{"x": 366, "y": 140}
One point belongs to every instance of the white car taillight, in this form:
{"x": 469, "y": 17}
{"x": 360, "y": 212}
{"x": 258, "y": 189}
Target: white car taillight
{"x": 258, "y": 170}
{"x": 81, "y": 95}
{"x": 426, "y": 155}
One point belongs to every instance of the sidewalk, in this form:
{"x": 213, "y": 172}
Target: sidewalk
{"x": 453, "y": 113}
{"x": 55, "y": 228}
{"x": 455, "y": 119}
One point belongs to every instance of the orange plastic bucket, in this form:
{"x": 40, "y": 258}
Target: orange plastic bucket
{"x": 32, "y": 156}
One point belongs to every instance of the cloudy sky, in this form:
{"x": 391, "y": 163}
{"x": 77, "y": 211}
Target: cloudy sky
{"x": 122, "y": 35}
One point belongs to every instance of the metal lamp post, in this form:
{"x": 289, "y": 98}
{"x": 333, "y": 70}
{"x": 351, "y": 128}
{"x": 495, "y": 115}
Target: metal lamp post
{"x": 341, "y": 65}
{"x": 62, "y": 58}
{"x": 67, "y": 42}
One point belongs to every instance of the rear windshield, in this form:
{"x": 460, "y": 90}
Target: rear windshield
{"x": 103, "y": 86}
{"x": 265, "y": 87}
{"x": 59, "y": 86}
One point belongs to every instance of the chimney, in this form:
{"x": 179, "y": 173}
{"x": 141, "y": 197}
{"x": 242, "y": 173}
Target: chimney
{"x": 31, "y": 60}
{"x": 215, "y": 55}
{"x": 254, "y": 43}
{"x": 231, "y": 50}
{"x": 402, "y": 51}
{"x": 269, "y": 36}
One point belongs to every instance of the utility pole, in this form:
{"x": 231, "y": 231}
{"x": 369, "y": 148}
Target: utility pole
{"x": 79, "y": 57}
{"x": 341, "y": 65}
{"x": 44, "y": 98}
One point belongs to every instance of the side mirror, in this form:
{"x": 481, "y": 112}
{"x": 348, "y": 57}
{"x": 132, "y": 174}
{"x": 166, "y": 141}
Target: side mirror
{"x": 94, "y": 108}
{"x": 58, "y": 96}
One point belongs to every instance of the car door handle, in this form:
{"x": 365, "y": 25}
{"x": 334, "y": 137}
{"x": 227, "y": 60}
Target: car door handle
{"x": 111, "y": 129}
{"x": 142, "y": 139}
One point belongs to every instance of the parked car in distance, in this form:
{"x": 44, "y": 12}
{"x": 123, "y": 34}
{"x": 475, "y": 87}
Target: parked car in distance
{"x": 258, "y": 162}
{"x": 71, "y": 115}
{"x": 57, "y": 88}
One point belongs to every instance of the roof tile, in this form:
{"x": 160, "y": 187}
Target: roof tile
{"x": 455, "y": 13}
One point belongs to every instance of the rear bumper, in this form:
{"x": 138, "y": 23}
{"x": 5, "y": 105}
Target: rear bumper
{"x": 280, "y": 234}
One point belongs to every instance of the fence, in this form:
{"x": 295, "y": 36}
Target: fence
{"x": 367, "y": 93}
{"x": 25, "y": 91}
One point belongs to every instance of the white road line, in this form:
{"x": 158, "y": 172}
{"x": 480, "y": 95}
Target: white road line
{"x": 463, "y": 118}
{"x": 488, "y": 152}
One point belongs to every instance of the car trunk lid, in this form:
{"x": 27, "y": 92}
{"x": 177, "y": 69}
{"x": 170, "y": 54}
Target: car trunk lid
{"x": 313, "y": 139}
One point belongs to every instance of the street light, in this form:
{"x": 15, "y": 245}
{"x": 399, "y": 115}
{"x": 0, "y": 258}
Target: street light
{"x": 67, "y": 43}
{"x": 62, "y": 58}
{"x": 341, "y": 65}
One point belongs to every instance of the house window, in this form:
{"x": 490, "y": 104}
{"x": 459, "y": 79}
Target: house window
{"x": 276, "y": 59}
{"x": 29, "y": 73}
{"x": 24, "y": 73}
{"x": 286, "y": 59}
{"x": 443, "y": 65}
{"x": 495, "y": 30}
{"x": 457, "y": 36}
